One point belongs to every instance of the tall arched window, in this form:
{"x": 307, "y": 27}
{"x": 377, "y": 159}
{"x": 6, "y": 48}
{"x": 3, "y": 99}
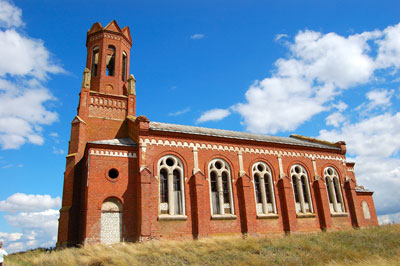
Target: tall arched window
{"x": 301, "y": 189}
{"x": 220, "y": 187}
{"x": 367, "y": 214}
{"x": 264, "y": 188}
{"x": 111, "y": 221}
{"x": 110, "y": 60}
{"x": 172, "y": 199}
{"x": 95, "y": 60}
{"x": 124, "y": 65}
{"x": 334, "y": 192}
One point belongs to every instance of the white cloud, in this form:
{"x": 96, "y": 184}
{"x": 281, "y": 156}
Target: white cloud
{"x": 280, "y": 36}
{"x": 25, "y": 202}
{"x": 197, "y": 36}
{"x": 379, "y": 98}
{"x": 34, "y": 219}
{"x": 389, "y": 218}
{"x": 335, "y": 119}
{"x": 389, "y": 48}
{"x": 213, "y": 115}
{"x": 181, "y": 112}
{"x": 25, "y": 65}
{"x": 10, "y": 15}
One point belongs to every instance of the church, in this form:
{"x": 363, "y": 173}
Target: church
{"x": 131, "y": 179}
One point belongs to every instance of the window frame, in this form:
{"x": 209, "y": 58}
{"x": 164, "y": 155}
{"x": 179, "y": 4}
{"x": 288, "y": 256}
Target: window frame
{"x": 305, "y": 205}
{"x": 170, "y": 169}
{"x": 263, "y": 208}
{"x": 225, "y": 168}
{"x": 336, "y": 202}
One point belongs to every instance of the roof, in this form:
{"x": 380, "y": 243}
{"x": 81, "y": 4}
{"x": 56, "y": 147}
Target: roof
{"x": 157, "y": 126}
{"x": 116, "y": 142}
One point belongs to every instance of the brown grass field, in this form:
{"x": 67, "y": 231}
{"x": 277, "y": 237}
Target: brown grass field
{"x": 372, "y": 246}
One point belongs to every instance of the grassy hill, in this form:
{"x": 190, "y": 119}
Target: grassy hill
{"x": 373, "y": 246}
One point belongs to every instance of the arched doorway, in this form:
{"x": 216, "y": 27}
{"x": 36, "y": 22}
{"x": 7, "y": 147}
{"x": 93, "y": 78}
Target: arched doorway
{"x": 111, "y": 221}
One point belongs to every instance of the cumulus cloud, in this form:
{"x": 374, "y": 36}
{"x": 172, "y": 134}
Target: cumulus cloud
{"x": 197, "y": 36}
{"x": 27, "y": 202}
{"x": 35, "y": 217}
{"x": 213, "y": 115}
{"x": 25, "y": 66}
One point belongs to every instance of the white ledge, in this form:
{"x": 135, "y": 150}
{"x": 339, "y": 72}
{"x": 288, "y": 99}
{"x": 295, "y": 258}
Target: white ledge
{"x": 167, "y": 217}
{"x": 305, "y": 215}
{"x": 267, "y": 216}
{"x": 223, "y": 217}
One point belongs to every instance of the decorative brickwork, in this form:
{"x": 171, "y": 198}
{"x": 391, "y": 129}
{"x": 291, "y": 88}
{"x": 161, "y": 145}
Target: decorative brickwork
{"x": 129, "y": 179}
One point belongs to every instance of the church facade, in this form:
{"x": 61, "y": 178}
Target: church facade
{"x": 131, "y": 179}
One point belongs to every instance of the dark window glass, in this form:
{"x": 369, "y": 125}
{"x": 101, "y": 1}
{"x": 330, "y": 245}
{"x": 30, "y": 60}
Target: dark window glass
{"x": 95, "y": 61}
{"x": 267, "y": 188}
{"x": 164, "y": 185}
{"x": 124, "y": 66}
{"x": 110, "y": 61}
{"x": 328, "y": 187}
{"x": 257, "y": 188}
{"x": 214, "y": 193}
{"x": 225, "y": 186}
{"x": 177, "y": 181}
{"x": 336, "y": 185}
{"x": 304, "y": 184}
{"x": 296, "y": 193}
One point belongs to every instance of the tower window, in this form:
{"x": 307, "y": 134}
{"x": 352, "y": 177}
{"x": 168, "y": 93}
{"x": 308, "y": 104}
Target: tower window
{"x": 110, "y": 61}
{"x": 124, "y": 66}
{"x": 95, "y": 60}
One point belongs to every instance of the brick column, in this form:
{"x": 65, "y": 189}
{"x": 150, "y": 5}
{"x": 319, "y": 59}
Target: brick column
{"x": 200, "y": 209}
{"x": 247, "y": 205}
{"x": 322, "y": 200}
{"x": 350, "y": 191}
{"x": 286, "y": 197}
{"x": 148, "y": 202}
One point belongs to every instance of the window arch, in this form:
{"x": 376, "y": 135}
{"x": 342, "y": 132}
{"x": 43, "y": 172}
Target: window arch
{"x": 171, "y": 186}
{"x": 263, "y": 188}
{"x": 220, "y": 187}
{"x": 110, "y": 60}
{"x": 301, "y": 189}
{"x": 111, "y": 221}
{"x": 365, "y": 207}
{"x": 95, "y": 60}
{"x": 335, "y": 197}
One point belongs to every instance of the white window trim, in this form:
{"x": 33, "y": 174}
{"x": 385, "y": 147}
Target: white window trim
{"x": 266, "y": 170}
{"x": 178, "y": 165}
{"x": 222, "y": 215}
{"x": 300, "y": 193}
{"x": 337, "y": 207}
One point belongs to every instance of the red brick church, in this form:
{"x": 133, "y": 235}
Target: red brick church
{"x": 131, "y": 179}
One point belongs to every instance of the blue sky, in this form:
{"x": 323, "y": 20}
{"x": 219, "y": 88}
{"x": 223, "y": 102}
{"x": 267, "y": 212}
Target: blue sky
{"x": 327, "y": 69}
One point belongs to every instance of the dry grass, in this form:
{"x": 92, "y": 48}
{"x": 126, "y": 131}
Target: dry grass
{"x": 374, "y": 246}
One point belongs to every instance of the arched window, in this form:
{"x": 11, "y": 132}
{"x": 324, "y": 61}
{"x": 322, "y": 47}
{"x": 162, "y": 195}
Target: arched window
{"x": 220, "y": 187}
{"x": 301, "y": 189}
{"x": 365, "y": 207}
{"x": 124, "y": 65}
{"x": 95, "y": 60}
{"x": 264, "y": 188}
{"x": 111, "y": 221}
{"x": 334, "y": 192}
{"x": 172, "y": 199}
{"x": 110, "y": 60}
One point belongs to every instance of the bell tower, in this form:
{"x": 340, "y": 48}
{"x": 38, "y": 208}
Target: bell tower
{"x": 108, "y": 52}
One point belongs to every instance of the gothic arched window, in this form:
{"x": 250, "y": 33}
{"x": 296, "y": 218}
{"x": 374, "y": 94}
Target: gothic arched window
{"x": 264, "y": 188}
{"x": 124, "y": 65}
{"x": 171, "y": 185}
{"x": 220, "y": 187}
{"x": 95, "y": 60}
{"x": 335, "y": 197}
{"x": 301, "y": 189}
